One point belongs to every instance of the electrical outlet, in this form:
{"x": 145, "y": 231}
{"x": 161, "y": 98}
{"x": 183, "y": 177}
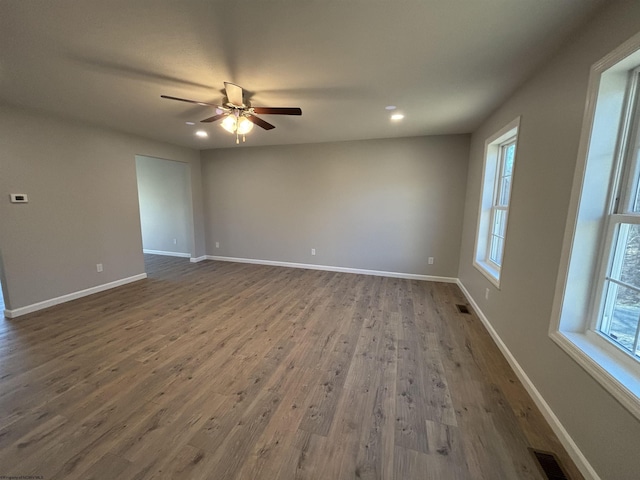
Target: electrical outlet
{"x": 430, "y": 260}
{"x": 99, "y": 267}
{"x": 217, "y": 244}
{"x": 175, "y": 241}
{"x": 313, "y": 251}
{"x": 486, "y": 294}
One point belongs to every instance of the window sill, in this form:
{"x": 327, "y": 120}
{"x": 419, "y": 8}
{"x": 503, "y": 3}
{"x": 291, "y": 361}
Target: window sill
{"x": 619, "y": 379}
{"x": 488, "y": 271}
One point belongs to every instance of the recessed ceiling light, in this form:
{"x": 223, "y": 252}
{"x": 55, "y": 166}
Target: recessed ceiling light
{"x": 397, "y": 116}
{"x": 190, "y": 123}
{"x": 202, "y": 134}
{"x": 390, "y": 107}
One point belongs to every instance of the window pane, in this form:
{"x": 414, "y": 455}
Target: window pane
{"x": 509, "y": 154}
{"x": 493, "y": 248}
{"x": 499, "y": 225}
{"x": 636, "y": 196}
{"x": 621, "y": 316}
{"x": 493, "y": 256}
{"x": 629, "y": 242}
{"x": 496, "y": 250}
{"x": 505, "y": 187}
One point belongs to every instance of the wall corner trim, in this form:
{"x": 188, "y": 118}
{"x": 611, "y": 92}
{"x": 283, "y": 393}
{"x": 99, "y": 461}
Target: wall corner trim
{"x": 197, "y": 259}
{"x": 572, "y": 448}
{"x": 71, "y": 296}
{"x": 330, "y": 268}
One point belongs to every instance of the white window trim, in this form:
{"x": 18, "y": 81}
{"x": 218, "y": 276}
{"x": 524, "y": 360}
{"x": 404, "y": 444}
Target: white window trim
{"x": 491, "y": 154}
{"x": 606, "y": 363}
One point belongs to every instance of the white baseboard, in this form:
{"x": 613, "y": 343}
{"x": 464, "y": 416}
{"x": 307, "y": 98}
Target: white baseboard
{"x": 167, "y": 254}
{"x": 572, "y": 449}
{"x": 198, "y": 259}
{"x": 71, "y": 296}
{"x": 329, "y": 268}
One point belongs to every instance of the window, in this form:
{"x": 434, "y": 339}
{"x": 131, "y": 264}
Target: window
{"x": 618, "y": 287}
{"x": 499, "y": 158}
{"x": 500, "y": 207}
{"x": 596, "y": 315}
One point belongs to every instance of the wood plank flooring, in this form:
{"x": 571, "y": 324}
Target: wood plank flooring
{"x": 232, "y": 371}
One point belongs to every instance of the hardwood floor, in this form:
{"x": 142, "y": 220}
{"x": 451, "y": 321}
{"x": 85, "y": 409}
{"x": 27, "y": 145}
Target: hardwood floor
{"x": 232, "y": 371}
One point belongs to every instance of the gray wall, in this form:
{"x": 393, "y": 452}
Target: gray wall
{"x": 552, "y": 106}
{"x": 377, "y": 204}
{"x": 83, "y": 205}
{"x": 164, "y": 193}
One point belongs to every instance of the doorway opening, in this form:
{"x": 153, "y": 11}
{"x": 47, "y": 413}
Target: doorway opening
{"x": 164, "y": 196}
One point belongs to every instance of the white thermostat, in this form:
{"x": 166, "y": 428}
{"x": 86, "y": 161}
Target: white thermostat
{"x": 19, "y": 198}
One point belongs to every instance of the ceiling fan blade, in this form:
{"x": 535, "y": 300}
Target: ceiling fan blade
{"x": 214, "y": 118}
{"x": 204, "y": 104}
{"x": 278, "y": 110}
{"x": 261, "y": 123}
{"x": 234, "y": 94}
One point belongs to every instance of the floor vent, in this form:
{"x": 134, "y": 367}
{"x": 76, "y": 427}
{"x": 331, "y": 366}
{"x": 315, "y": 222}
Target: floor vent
{"x": 549, "y": 465}
{"x": 463, "y": 309}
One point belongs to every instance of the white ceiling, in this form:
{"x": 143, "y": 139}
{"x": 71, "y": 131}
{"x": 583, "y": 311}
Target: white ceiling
{"x": 446, "y": 64}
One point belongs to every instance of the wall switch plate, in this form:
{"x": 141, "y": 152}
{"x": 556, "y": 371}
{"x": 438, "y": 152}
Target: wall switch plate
{"x": 19, "y": 198}
{"x": 99, "y": 267}
{"x": 313, "y": 251}
{"x": 430, "y": 260}
{"x": 486, "y": 294}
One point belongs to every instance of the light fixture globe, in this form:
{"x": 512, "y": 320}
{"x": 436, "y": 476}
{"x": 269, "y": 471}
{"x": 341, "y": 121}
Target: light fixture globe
{"x": 244, "y": 125}
{"x": 240, "y": 125}
{"x": 229, "y": 124}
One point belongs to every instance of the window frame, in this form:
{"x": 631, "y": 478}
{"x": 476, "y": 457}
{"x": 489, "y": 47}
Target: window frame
{"x": 492, "y": 173}
{"x": 580, "y": 295}
{"x": 623, "y": 194}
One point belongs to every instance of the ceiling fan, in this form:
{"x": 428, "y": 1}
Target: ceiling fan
{"x": 238, "y": 114}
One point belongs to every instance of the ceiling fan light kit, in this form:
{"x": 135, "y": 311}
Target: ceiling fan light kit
{"x": 239, "y": 116}
{"x": 238, "y": 125}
